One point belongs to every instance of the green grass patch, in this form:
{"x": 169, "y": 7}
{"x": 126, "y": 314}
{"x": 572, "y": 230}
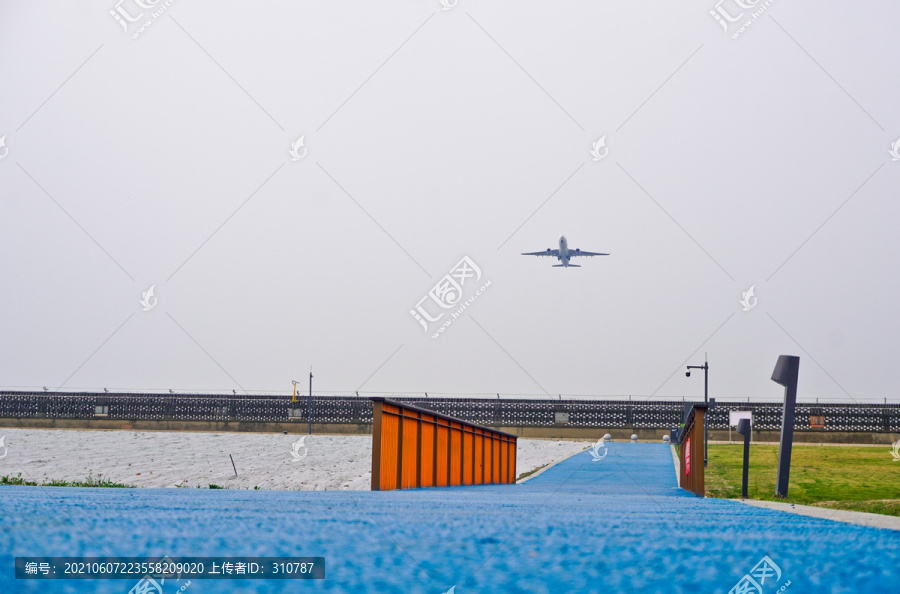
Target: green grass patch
{"x": 530, "y": 472}
{"x": 846, "y": 477}
{"x": 16, "y": 480}
{"x": 89, "y": 481}
{"x": 887, "y": 507}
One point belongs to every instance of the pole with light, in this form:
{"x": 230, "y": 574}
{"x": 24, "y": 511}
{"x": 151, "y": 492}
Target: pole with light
{"x": 309, "y": 402}
{"x": 705, "y": 368}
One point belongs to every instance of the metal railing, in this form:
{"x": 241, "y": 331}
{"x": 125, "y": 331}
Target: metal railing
{"x": 600, "y": 414}
{"x": 414, "y": 447}
{"x": 691, "y": 450}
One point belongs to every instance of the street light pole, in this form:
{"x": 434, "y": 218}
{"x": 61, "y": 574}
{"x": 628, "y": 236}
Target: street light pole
{"x": 705, "y": 368}
{"x": 309, "y": 404}
{"x": 705, "y": 421}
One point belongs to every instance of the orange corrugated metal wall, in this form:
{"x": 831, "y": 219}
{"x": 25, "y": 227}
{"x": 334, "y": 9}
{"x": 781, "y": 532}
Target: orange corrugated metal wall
{"x": 413, "y": 448}
{"x": 692, "y": 440}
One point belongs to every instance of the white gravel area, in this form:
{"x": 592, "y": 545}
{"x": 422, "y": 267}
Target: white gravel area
{"x": 169, "y": 459}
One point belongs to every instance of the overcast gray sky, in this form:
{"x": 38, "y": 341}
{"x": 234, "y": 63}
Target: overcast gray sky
{"x": 160, "y": 157}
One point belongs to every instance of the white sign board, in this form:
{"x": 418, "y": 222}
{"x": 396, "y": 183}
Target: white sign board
{"x": 736, "y": 415}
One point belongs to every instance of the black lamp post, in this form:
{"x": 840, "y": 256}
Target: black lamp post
{"x": 786, "y": 373}
{"x": 705, "y": 368}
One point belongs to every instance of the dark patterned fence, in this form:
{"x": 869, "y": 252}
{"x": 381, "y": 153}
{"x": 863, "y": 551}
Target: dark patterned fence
{"x": 482, "y": 411}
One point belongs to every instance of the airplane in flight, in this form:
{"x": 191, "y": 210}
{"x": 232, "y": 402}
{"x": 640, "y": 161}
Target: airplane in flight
{"x": 564, "y": 254}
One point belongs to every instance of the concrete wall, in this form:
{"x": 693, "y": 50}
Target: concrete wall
{"x": 812, "y": 436}
{"x": 620, "y": 434}
{"x": 292, "y": 427}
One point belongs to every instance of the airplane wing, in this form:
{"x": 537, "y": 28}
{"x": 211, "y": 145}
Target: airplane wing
{"x": 583, "y": 253}
{"x": 547, "y": 252}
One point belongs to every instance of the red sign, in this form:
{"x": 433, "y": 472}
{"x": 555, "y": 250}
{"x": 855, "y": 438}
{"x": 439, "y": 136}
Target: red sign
{"x": 687, "y": 456}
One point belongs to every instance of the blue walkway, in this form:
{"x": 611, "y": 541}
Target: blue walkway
{"x": 618, "y": 525}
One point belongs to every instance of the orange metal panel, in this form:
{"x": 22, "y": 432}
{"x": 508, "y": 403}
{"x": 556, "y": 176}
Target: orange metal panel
{"x": 376, "y": 445}
{"x": 691, "y": 453}
{"x": 455, "y": 454}
{"x": 513, "y": 470}
{"x": 467, "y": 457}
{"x": 700, "y": 485}
{"x": 443, "y": 455}
{"x": 504, "y": 461}
{"x": 495, "y": 475}
{"x": 389, "y": 451}
{"x": 488, "y": 457}
{"x": 479, "y": 457}
{"x": 409, "y": 472}
{"x": 427, "y": 451}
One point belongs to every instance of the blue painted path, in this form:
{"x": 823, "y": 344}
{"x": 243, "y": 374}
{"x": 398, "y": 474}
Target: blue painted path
{"x": 618, "y": 525}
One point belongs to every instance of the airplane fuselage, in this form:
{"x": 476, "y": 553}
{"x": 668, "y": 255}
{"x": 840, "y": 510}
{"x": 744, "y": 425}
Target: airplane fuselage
{"x": 564, "y": 251}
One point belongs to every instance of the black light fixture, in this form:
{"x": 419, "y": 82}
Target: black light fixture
{"x": 786, "y": 373}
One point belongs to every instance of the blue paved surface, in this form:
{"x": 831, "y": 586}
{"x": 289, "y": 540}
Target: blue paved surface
{"x": 619, "y": 525}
